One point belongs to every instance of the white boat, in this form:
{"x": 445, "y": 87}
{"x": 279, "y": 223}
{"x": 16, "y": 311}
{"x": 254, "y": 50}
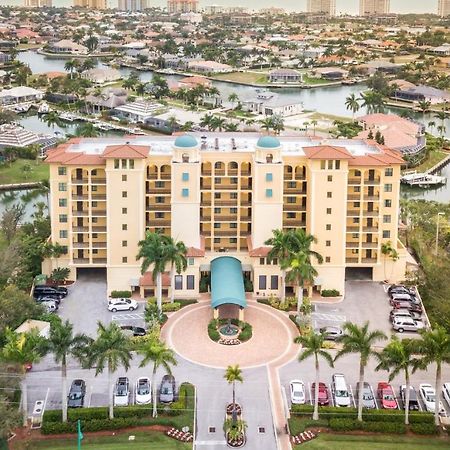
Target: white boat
{"x": 43, "y": 108}
{"x": 422, "y": 179}
{"x": 68, "y": 117}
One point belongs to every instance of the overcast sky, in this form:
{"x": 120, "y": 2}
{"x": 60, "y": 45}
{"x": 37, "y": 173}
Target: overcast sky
{"x": 348, "y": 6}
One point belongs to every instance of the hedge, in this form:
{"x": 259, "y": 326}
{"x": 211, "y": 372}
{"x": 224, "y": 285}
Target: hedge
{"x": 424, "y": 428}
{"x": 121, "y": 294}
{"x": 246, "y": 332}
{"x": 374, "y": 427}
{"x": 344, "y": 424}
{"x": 330, "y": 293}
{"x": 170, "y": 307}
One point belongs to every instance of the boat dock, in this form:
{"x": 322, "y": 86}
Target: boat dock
{"x": 422, "y": 179}
{"x": 440, "y": 165}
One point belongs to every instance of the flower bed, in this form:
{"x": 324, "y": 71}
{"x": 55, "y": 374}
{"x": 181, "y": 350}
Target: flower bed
{"x": 245, "y": 331}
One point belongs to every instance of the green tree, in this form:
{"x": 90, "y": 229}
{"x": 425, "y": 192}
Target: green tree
{"x": 10, "y": 221}
{"x": 159, "y": 355}
{"x": 176, "y": 257}
{"x": 91, "y": 43}
{"x": 217, "y": 123}
{"x": 388, "y": 251}
{"x": 60, "y": 274}
{"x": 70, "y": 66}
{"x": 232, "y": 375}
{"x": 359, "y": 340}
{"x": 52, "y": 119}
{"x": 233, "y": 98}
{"x": 234, "y": 429}
{"x": 86, "y": 130}
{"x": 352, "y": 103}
{"x": 312, "y": 346}
{"x": 267, "y": 124}
{"x": 110, "y": 350}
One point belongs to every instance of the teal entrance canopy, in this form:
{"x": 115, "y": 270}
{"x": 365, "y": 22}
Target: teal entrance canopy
{"x": 227, "y": 282}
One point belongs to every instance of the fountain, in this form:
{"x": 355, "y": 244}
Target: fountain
{"x": 229, "y": 330}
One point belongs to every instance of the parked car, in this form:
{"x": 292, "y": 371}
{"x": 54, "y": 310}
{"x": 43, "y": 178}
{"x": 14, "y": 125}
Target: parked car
{"x": 167, "y": 390}
{"x": 407, "y": 305}
{"x": 49, "y": 291}
{"x": 50, "y": 306}
{"x": 446, "y": 392}
{"x": 428, "y": 395}
{"x": 76, "y": 395}
{"x": 340, "y": 390}
{"x": 56, "y": 300}
{"x": 400, "y": 289}
{"x": 386, "y": 395}
{"x": 324, "y": 395}
{"x": 404, "y": 313}
{"x": 298, "y": 393}
{"x": 143, "y": 391}
{"x": 122, "y": 304}
{"x": 368, "y": 399}
{"x": 402, "y": 324}
{"x": 332, "y": 333}
{"x": 404, "y": 298}
{"x": 122, "y": 392}
{"x": 134, "y": 331}
{"x": 413, "y": 400}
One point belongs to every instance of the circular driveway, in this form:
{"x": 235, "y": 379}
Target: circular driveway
{"x": 272, "y": 341}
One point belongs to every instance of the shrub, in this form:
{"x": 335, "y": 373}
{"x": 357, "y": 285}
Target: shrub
{"x": 246, "y": 332}
{"x": 344, "y": 424}
{"x": 213, "y": 334}
{"x": 297, "y": 425}
{"x": 169, "y": 307}
{"x": 120, "y": 294}
{"x": 384, "y": 415}
{"x": 384, "y": 427}
{"x": 424, "y": 428}
{"x": 330, "y": 293}
{"x": 421, "y": 418}
{"x": 186, "y": 301}
{"x": 248, "y": 285}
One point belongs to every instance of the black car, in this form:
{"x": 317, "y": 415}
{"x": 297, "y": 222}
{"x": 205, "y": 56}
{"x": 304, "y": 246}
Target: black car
{"x": 137, "y": 331}
{"x": 413, "y": 400}
{"x": 49, "y": 291}
{"x": 48, "y": 299}
{"x": 76, "y": 394}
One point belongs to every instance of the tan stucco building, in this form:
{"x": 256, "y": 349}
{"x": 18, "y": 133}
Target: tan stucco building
{"x": 223, "y": 194}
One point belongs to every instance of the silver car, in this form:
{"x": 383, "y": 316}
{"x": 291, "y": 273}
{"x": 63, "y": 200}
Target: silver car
{"x": 332, "y": 333}
{"x": 368, "y": 399}
{"x": 402, "y": 324}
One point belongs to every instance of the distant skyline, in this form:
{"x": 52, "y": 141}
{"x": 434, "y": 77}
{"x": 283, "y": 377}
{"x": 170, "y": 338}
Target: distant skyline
{"x": 342, "y": 6}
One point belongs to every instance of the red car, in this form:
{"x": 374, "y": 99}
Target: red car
{"x": 386, "y": 395}
{"x": 324, "y": 397}
{"x": 407, "y": 305}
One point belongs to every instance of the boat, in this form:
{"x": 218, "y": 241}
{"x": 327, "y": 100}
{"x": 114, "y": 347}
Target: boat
{"x": 348, "y": 82}
{"x": 422, "y": 179}
{"x": 19, "y": 109}
{"x": 67, "y": 117}
{"x": 43, "y": 108}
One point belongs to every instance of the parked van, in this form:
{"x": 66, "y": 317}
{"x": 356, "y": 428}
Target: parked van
{"x": 340, "y": 390}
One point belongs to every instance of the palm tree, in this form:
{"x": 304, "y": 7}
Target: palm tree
{"x": 156, "y": 352}
{"x": 441, "y": 115}
{"x": 312, "y": 346}
{"x": 176, "y": 257}
{"x": 110, "y": 350}
{"x": 205, "y": 121}
{"x": 70, "y": 66}
{"x": 389, "y": 252}
{"x": 153, "y": 251}
{"x": 52, "y": 119}
{"x": 397, "y": 357}
{"x": 267, "y": 124}
{"x": 21, "y": 349}
{"x": 231, "y": 127}
{"x": 431, "y": 125}
{"x": 233, "y": 374}
{"x": 424, "y": 106}
{"x": 234, "y": 429}
{"x": 352, "y": 103}
{"x": 63, "y": 343}
{"x": 314, "y": 124}
{"x": 217, "y": 123}
{"x": 359, "y": 340}
{"x": 434, "y": 347}
{"x": 233, "y": 98}
{"x": 86, "y": 130}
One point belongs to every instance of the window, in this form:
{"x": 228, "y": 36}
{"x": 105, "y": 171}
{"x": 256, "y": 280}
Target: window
{"x": 124, "y": 194}
{"x": 216, "y": 240}
{"x": 124, "y": 178}
{"x": 94, "y": 172}
{"x": 124, "y": 211}
{"x": 124, "y": 227}
{"x": 191, "y": 261}
{"x": 94, "y": 204}
{"x": 216, "y": 225}
{"x": 357, "y": 189}
{"x": 328, "y": 210}
{"x": 291, "y": 199}
{"x": 63, "y": 218}
{"x": 388, "y": 187}
{"x": 124, "y": 260}
{"x": 269, "y": 177}
{"x": 328, "y": 243}
{"x": 291, "y": 215}
{"x": 159, "y": 215}
{"x": 269, "y": 193}
{"x": 233, "y": 195}
{"x": 131, "y": 163}
{"x": 233, "y": 241}
{"x": 262, "y": 261}
{"x": 94, "y": 235}
{"x": 233, "y": 211}
{"x": 116, "y": 164}
{"x": 330, "y": 164}
{"x": 159, "y": 199}
{"x": 217, "y": 210}
{"x": 327, "y": 259}
{"x": 62, "y": 171}
{"x": 95, "y": 251}
{"x": 234, "y": 180}
{"x": 94, "y": 188}
{"x": 355, "y": 219}
{"x": 124, "y": 163}
{"x": 386, "y": 234}
{"x": 388, "y": 203}
{"x": 190, "y": 282}
{"x": 217, "y": 180}
{"x": 178, "y": 282}
{"x": 185, "y": 192}
{"x": 338, "y": 164}
{"x": 124, "y": 244}
{"x": 355, "y": 235}
{"x": 388, "y": 172}
{"x": 275, "y": 262}
{"x": 63, "y": 234}
{"x": 262, "y": 282}
{"x": 64, "y": 249}
{"x": 356, "y": 204}
{"x": 292, "y": 184}
{"x": 329, "y": 194}
{"x": 386, "y": 218}
{"x": 274, "y": 282}
{"x": 328, "y": 227}
{"x": 185, "y": 176}
{"x": 219, "y": 195}
{"x": 94, "y": 220}
{"x": 322, "y": 165}
{"x": 159, "y": 184}
{"x": 62, "y": 187}
{"x": 62, "y": 202}
{"x": 330, "y": 178}
{"x": 233, "y": 225}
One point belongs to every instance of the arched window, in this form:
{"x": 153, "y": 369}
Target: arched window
{"x": 185, "y": 158}
{"x": 269, "y": 158}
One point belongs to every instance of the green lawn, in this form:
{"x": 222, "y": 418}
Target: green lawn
{"x": 435, "y": 157}
{"x": 13, "y": 173}
{"x": 243, "y": 77}
{"x": 342, "y": 442}
{"x": 143, "y": 441}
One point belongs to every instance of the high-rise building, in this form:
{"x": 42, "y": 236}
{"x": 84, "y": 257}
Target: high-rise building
{"x": 373, "y": 7}
{"x": 133, "y": 5}
{"x": 38, "y": 3}
{"x": 94, "y": 4}
{"x": 182, "y": 6}
{"x": 444, "y": 8}
{"x": 322, "y": 6}
{"x": 223, "y": 195}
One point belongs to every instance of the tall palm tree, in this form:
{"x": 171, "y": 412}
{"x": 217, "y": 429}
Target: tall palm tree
{"x": 434, "y": 347}
{"x": 63, "y": 343}
{"x": 86, "y": 130}
{"x": 21, "y": 349}
{"x": 352, "y": 103}
{"x": 424, "y": 106}
{"x": 359, "y": 340}
{"x": 176, "y": 257}
{"x": 314, "y": 124}
{"x": 154, "y": 252}
{"x": 267, "y": 124}
{"x": 431, "y": 125}
{"x": 399, "y": 356}
{"x": 388, "y": 251}
{"x": 156, "y": 352}
{"x": 70, "y": 66}
{"x": 217, "y": 123}
{"x": 233, "y": 374}
{"x": 233, "y": 98}
{"x": 312, "y": 346}
{"x": 110, "y": 350}
{"x": 52, "y": 119}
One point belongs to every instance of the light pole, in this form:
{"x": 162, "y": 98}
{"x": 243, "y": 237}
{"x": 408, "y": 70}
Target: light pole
{"x": 439, "y": 214}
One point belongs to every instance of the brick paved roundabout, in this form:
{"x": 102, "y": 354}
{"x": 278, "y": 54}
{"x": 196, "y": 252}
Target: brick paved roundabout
{"x": 272, "y": 341}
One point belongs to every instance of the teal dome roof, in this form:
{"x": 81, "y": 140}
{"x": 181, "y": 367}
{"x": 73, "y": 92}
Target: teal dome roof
{"x": 268, "y": 142}
{"x": 186, "y": 141}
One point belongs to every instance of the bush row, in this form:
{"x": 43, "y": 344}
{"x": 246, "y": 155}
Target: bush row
{"x": 246, "y": 332}
{"x": 378, "y": 427}
{"x": 121, "y": 294}
{"x": 330, "y": 293}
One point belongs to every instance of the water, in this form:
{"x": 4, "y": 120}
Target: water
{"x": 29, "y": 198}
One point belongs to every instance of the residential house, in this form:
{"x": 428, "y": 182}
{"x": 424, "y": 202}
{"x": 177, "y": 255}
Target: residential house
{"x": 139, "y": 111}
{"x": 268, "y": 103}
{"x": 101, "y": 75}
{"x": 285, "y": 76}
{"x": 330, "y": 73}
{"x": 66, "y": 46}
{"x": 20, "y": 94}
{"x": 209, "y": 67}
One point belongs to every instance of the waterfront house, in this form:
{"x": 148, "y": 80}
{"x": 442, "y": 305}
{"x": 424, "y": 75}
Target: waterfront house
{"x": 285, "y": 76}
{"x": 268, "y": 103}
{"x": 421, "y": 93}
{"x": 100, "y": 75}
{"x": 330, "y": 73}
{"x": 138, "y": 111}
{"x": 442, "y": 50}
{"x": 208, "y": 67}
{"x": 66, "y": 46}
{"x": 5, "y": 58}
{"x": 20, "y": 94}
{"x": 192, "y": 82}
{"x": 109, "y": 99}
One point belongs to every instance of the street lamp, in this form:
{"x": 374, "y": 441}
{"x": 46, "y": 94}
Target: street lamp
{"x": 439, "y": 214}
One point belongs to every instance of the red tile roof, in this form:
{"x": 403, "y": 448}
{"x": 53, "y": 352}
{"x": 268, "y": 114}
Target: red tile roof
{"x": 326, "y": 152}
{"x": 59, "y": 155}
{"x": 126, "y": 151}
{"x": 147, "y": 280}
{"x": 260, "y": 252}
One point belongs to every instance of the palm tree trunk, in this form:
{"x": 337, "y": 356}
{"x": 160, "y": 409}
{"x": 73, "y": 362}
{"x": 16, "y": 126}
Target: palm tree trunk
{"x": 360, "y": 392}
{"x": 438, "y": 388}
{"x": 110, "y": 390}
{"x": 155, "y": 409}
{"x": 408, "y": 384}
{"x": 25, "y": 400}
{"x": 316, "y": 392}
{"x": 299, "y": 298}
{"x": 64, "y": 390}
{"x": 283, "y": 287}
{"x": 234, "y": 396}
{"x": 159, "y": 290}
{"x": 172, "y": 284}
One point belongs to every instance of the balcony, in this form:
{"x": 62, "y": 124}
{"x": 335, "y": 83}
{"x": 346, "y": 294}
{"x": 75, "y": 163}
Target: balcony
{"x": 97, "y": 197}
{"x": 352, "y": 260}
{"x": 205, "y": 218}
{"x": 158, "y": 191}
{"x": 245, "y": 203}
{"x": 98, "y": 260}
{"x": 353, "y": 213}
{"x": 219, "y": 173}
{"x": 369, "y": 260}
{"x": 98, "y": 180}
{"x": 352, "y": 229}
{"x": 294, "y": 191}
{"x": 79, "y": 181}
{"x": 352, "y": 244}
{"x": 370, "y": 229}
{"x": 233, "y": 172}
{"x": 80, "y": 245}
{"x": 220, "y": 233}
{"x": 220, "y": 218}
{"x": 80, "y": 229}
{"x": 80, "y": 197}
{"x": 354, "y": 181}
{"x": 372, "y": 198}
{"x": 98, "y": 213}
{"x": 370, "y": 244}
{"x": 246, "y": 173}
{"x": 372, "y": 182}
{"x": 371, "y": 213}
{"x": 80, "y": 213}
{"x": 158, "y": 223}
{"x": 98, "y": 244}
{"x": 158, "y": 207}
{"x": 206, "y": 173}
{"x": 166, "y": 176}
{"x": 246, "y": 187}
{"x": 99, "y": 229}
{"x": 152, "y": 176}
{"x": 81, "y": 260}
{"x": 293, "y": 222}
{"x": 246, "y": 218}
{"x": 232, "y": 202}
{"x": 206, "y": 187}
{"x": 226, "y": 187}
{"x": 353, "y": 197}
{"x": 293, "y": 207}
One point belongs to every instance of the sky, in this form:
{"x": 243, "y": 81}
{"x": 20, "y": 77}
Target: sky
{"x": 342, "y": 6}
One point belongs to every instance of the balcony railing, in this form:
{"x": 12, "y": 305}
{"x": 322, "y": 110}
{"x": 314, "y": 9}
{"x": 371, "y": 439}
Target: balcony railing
{"x": 372, "y": 198}
{"x": 79, "y": 213}
{"x": 370, "y": 245}
{"x": 372, "y": 181}
{"x": 352, "y": 229}
{"x": 206, "y": 173}
{"x": 158, "y": 207}
{"x": 354, "y": 181}
{"x": 80, "y": 197}
{"x": 98, "y": 260}
{"x": 158, "y": 191}
{"x": 220, "y": 218}
{"x": 352, "y": 260}
{"x": 79, "y": 181}
{"x": 81, "y": 260}
{"x": 166, "y": 176}
{"x": 353, "y": 197}
{"x": 371, "y": 213}
{"x": 294, "y": 191}
{"x": 293, "y": 207}
{"x": 98, "y": 244}
{"x": 369, "y": 260}
{"x": 205, "y": 218}
{"x": 246, "y": 218}
{"x": 352, "y": 244}
{"x": 152, "y": 176}
{"x": 232, "y": 202}
{"x": 158, "y": 223}
{"x": 370, "y": 229}
{"x": 226, "y": 187}
{"x": 98, "y": 212}
{"x": 246, "y": 173}
{"x": 99, "y": 229}
{"x": 80, "y": 229}
{"x": 293, "y": 222}
{"x": 220, "y": 233}
{"x": 80, "y": 245}
{"x": 353, "y": 213}
{"x": 97, "y": 197}
{"x": 98, "y": 180}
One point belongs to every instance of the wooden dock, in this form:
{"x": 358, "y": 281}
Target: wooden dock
{"x": 20, "y": 186}
{"x": 440, "y": 165}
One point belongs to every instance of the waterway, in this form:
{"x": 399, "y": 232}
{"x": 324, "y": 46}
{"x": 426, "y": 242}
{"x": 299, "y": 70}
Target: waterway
{"x": 28, "y": 198}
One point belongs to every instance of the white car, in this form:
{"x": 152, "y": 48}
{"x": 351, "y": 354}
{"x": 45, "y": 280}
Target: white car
{"x": 428, "y": 395}
{"x": 122, "y": 304}
{"x": 446, "y": 392}
{"x": 122, "y": 392}
{"x": 143, "y": 391}
{"x": 298, "y": 395}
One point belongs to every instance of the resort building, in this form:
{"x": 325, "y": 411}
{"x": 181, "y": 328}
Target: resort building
{"x": 444, "y": 8}
{"x": 133, "y": 5}
{"x": 37, "y": 3}
{"x": 373, "y": 7}
{"x": 93, "y": 4}
{"x": 223, "y": 194}
{"x": 327, "y": 7}
{"x": 182, "y": 6}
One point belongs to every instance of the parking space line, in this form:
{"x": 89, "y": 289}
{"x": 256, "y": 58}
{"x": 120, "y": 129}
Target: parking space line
{"x": 90, "y": 396}
{"x": 353, "y": 397}
{"x": 331, "y": 394}
{"x": 310, "y": 393}
{"x": 329, "y": 317}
